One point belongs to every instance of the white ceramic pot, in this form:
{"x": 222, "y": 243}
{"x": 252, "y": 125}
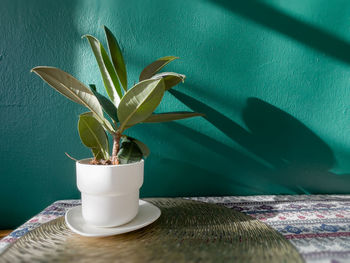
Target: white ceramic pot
{"x": 109, "y": 193}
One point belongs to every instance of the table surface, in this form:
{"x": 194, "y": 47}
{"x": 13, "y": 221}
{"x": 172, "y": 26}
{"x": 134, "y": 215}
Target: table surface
{"x": 317, "y": 225}
{"x": 4, "y": 233}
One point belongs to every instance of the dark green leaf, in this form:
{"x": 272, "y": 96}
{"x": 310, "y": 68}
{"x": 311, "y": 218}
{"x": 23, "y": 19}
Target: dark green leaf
{"x": 106, "y": 104}
{"x": 171, "y": 79}
{"x": 139, "y": 102}
{"x": 143, "y": 147}
{"x": 117, "y": 58}
{"x": 155, "y": 66}
{"x": 93, "y": 135}
{"x": 129, "y": 152}
{"x": 108, "y": 73}
{"x": 73, "y": 89}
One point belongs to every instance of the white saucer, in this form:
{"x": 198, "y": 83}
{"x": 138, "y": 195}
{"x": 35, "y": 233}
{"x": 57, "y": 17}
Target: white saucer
{"x": 148, "y": 213}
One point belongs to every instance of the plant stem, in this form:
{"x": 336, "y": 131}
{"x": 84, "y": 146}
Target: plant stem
{"x": 116, "y": 141}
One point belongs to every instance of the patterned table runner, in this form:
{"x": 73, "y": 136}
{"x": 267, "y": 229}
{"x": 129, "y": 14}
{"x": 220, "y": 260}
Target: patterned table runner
{"x": 317, "y": 225}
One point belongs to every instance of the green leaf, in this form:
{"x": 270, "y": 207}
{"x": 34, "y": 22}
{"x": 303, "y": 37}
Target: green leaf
{"x": 171, "y": 116}
{"x": 73, "y": 89}
{"x": 129, "y": 151}
{"x": 117, "y": 58}
{"x": 108, "y": 73}
{"x": 155, "y": 66}
{"x": 93, "y": 135}
{"x": 142, "y": 147}
{"x": 106, "y": 104}
{"x": 171, "y": 79}
{"x": 139, "y": 102}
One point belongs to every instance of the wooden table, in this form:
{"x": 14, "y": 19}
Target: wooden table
{"x": 4, "y": 233}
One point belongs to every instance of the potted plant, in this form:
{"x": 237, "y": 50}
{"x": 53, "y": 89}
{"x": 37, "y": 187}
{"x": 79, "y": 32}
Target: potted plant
{"x": 110, "y": 181}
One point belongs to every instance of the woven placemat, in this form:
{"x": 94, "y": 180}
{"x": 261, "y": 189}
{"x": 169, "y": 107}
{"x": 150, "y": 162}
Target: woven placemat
{"x": 187, "y": 231}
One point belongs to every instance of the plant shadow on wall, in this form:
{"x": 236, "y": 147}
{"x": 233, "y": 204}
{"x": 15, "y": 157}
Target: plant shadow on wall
{"x": 293, "y": 156}
{"x": 285, "y": 24}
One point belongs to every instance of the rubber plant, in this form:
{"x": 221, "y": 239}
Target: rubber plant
{"x": 125, "y": 107}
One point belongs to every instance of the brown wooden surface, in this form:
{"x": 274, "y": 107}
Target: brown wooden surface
{"x": 4, "y": 233}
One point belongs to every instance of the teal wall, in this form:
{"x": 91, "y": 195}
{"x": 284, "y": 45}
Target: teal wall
{"x": 272, "y": 77}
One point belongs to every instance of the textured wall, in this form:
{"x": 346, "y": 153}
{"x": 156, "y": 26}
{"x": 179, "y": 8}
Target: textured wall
{"x": 272, "y": 78}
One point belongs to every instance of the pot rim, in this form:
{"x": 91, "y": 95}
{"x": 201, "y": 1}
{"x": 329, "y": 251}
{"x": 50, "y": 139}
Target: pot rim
{"x": 80, "y": 162}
